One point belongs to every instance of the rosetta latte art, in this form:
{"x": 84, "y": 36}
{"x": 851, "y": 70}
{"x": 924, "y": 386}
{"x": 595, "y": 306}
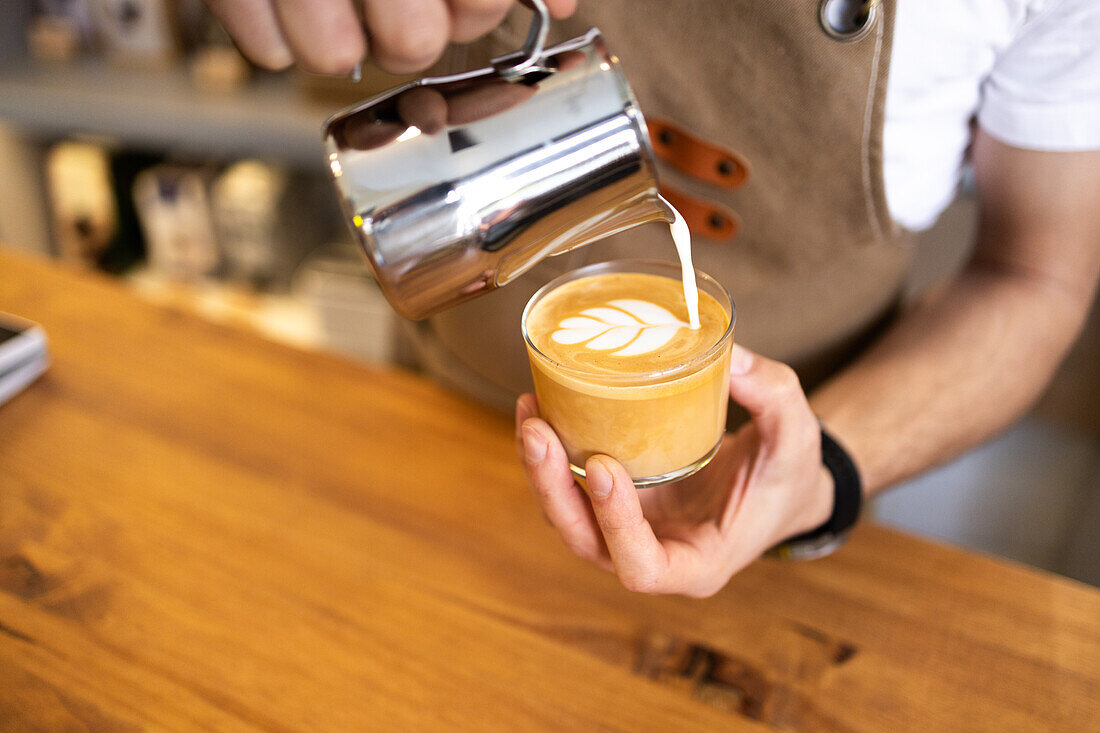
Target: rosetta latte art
{"x": 633, "y": 327}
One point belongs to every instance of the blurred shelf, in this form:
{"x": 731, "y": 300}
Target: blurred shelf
{"x": 283, "y": 318}
{"x": 333, "y": 308}
{"x": 268, "y": 118}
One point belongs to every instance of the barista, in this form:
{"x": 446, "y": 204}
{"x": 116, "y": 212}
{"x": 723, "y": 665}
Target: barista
{"x": 803, "y": 141}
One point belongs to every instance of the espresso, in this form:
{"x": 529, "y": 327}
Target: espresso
{"x": 619, "y": 370}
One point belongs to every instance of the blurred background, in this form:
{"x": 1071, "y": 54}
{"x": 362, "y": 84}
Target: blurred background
{"x": 136, "y": 141}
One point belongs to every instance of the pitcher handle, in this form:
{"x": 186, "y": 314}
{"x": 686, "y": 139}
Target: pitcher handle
{"x": 516, "y": 65}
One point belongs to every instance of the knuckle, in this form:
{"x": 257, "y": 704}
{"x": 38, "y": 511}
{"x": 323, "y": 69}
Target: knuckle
{"x": 645, "y": 582}
{"x": 562, "y": 8}
{"x": 413, "y": 45}
{"x": 573, "y": 529}
{"x": 581, "y": 548}
{"x": 622, "y": 525}
{"x": 273, "y": 64}
{"x": 271, "y": 58}
{"x": 788, "y": 379}
{"x": 578, "y": 538}
{"x": 482, "y": 7}
{"x": 332, "y": 61}
{"x": 542, "y": 489}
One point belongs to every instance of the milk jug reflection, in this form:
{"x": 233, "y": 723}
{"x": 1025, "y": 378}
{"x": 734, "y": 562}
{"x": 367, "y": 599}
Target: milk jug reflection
{"x": 458, "y": 185}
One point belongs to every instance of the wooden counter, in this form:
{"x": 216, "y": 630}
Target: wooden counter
{"x": 203, "y": 530}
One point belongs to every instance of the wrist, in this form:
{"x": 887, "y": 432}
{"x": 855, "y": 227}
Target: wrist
{"x": 847, "y": 500}
{"x": 814, "y": 505}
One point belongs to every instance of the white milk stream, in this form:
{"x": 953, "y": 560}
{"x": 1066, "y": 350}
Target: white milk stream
{"x": 681, "y": 236}
{"x": 635, "y": 327}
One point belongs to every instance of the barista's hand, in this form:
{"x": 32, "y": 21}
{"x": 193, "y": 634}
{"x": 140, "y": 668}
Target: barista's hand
{"x": 766, "y": 484}
{"x": 327, "y": 36}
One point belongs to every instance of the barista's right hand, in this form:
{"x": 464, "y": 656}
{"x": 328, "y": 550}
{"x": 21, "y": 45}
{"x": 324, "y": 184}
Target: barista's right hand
{"x": 766, "y": 483}
{"x": 327, "y": 36}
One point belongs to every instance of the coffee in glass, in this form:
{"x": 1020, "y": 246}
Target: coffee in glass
{"x": 619, "y": 370}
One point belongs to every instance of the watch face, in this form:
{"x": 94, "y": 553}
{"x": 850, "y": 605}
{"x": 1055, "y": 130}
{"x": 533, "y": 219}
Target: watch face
{"x": 811, "y": 549}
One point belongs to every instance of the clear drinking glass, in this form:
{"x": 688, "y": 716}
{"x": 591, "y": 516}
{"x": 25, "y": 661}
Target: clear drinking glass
{"x": 661, "y": 425}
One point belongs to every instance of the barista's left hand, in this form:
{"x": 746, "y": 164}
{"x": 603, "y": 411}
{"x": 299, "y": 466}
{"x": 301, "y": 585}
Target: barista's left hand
{"x": 766, "y": 484}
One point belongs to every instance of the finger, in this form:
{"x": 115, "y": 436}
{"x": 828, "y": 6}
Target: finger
{"x": 252, "y": 25}
{"x": 471, "y": 19}
{"x": 407, "y": 36}
{"x": 486, "y": 100}
{"x": 325, "y": 36}
{"x": 567, "y": 60}
{"x": 771, "y": 393}
{"x": 526, "y": 407}
{"x": 424, "y": 108}
{"x": 641, "y": 561}
{"x": 561, "y": 8}
{"x": 364, "y": 134}
{"x": 562, "y": 501}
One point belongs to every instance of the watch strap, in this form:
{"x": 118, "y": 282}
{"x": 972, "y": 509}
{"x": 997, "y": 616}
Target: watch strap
{"x": 847, "y": 503}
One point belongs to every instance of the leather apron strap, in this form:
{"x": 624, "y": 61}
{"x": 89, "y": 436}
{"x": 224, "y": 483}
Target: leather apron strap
{"x": 815, "y": 264}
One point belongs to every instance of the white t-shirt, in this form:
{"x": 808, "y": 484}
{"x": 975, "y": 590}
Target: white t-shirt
{"x": 1029, "y": 70}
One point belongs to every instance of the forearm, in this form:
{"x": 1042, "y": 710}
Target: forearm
{"x": 961, "y": 366}
{"x": 956, "y": 369}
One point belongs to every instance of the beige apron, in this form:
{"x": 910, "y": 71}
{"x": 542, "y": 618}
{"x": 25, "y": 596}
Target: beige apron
{"x": 817, "y": 265}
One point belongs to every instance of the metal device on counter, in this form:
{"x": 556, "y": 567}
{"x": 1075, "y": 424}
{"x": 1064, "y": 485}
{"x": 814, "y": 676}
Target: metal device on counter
{"x": 456, "y": 185}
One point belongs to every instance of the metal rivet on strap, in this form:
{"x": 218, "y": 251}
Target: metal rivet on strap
{"x": 848, "y": 20}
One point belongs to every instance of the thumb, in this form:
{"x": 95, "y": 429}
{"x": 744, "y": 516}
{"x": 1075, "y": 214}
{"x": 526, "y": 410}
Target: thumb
{"x": 770, "y": 391}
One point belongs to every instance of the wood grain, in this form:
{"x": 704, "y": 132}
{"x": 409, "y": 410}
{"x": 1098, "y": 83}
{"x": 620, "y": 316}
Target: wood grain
{"x": 203, "y": 530}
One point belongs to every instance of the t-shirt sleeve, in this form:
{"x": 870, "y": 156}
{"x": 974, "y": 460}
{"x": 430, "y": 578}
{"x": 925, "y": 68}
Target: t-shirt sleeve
{"x": 1043, "y": 92}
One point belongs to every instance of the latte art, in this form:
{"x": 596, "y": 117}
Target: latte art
{"x": 633, "y": 327}
{"x": 623, "y": 323}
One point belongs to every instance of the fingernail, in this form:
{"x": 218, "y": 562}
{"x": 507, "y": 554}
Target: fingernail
{"x": 599, "y": 479}
{"x": 534, "y": 447}
{"x": 741, "y": 360}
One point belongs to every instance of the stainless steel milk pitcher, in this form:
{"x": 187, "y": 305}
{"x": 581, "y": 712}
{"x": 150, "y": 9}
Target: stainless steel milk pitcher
{"x": 456, "y": 185}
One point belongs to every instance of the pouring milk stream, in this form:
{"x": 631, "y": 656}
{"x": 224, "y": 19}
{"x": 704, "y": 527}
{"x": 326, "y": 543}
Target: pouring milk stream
{"x": 681, "y": 236}
{"x": 634, "y": 326}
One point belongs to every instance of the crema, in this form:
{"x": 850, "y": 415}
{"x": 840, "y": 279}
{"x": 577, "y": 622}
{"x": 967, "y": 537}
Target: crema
{"x": 623, "y": 323}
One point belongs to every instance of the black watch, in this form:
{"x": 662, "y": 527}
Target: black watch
{"x": 847, "y": 502}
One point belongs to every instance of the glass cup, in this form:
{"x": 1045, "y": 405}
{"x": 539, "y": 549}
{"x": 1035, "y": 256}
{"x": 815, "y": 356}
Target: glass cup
{"x": 661, "y": 425}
